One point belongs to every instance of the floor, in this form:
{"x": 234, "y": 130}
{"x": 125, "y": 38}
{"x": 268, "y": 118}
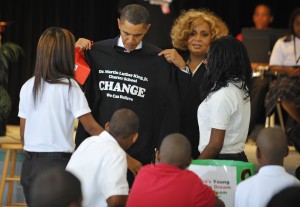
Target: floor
{"x": 291, "y": 162}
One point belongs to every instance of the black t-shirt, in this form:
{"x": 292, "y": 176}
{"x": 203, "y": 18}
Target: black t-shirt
{"x": 141, "y": 81}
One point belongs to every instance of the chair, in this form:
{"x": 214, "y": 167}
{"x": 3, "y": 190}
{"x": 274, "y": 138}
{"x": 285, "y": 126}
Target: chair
{"x": 9, "y": 166}
{"x": 270, "y": 120}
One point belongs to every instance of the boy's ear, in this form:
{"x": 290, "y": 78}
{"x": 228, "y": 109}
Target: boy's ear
{"x": 135, "y": 136}
{"x": 157, "y": 155}
{"x": 106, "y": 126}
{"x": 287, "y": 152}
{"x": 257, "y": 152}
{"x": 189, "y": 162}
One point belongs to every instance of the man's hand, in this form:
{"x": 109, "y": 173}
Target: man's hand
{"x": 84, "y": 44}
{"x": 133, "y": 165}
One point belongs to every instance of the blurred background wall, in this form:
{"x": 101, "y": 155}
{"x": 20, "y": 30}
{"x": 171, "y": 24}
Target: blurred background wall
{"x": 96, "y": 20}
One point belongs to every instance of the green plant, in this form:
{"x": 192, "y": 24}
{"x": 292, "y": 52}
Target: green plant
{"x": 5, "y": 104}
{"x": 9, "y": 53}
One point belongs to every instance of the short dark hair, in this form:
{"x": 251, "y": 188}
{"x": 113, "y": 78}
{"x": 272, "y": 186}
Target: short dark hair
{"x": 123, "y": 123}
{"x": 56, "y": 187}
{"x": 265, "y": 4}
{"x": 287, "y": 197}
{"x": 175, "y": 149}
{"x": 135, "y": 14}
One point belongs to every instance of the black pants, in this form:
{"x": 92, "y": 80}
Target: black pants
{"x": 36, "y": 163}
{"x": 238, "y": 157}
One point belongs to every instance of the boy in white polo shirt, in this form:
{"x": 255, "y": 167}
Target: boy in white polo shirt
{"x": 100, "y": 161}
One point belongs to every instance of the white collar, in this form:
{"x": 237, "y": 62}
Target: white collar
{"x": 193, "y": 73}
{"x": 120, "y": 44}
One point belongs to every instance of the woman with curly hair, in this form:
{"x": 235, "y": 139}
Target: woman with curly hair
{"x": 224, "y": 114}
{"x": 192, "y": 33}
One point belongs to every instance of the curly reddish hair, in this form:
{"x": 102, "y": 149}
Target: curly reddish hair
{"x": 187, "y": 20}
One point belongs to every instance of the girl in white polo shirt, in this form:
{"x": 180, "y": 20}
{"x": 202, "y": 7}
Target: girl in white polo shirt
{"x": 49, "y": 103}
{"x": 224, "y": 114}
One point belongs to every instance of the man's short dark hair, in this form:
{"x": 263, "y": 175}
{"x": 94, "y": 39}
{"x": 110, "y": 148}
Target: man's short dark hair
{"x": 135, "y": 14}
{"x": 56, "y": 187}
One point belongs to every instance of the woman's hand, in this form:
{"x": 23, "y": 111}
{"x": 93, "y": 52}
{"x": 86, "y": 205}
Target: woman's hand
{"x": 172, "y": 56}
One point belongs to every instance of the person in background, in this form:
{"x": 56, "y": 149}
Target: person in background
{"x": 100, "y": 161}
{"x": 288, "y": 197}
{"x": 285, "y": 58}
{"x": 262, "y": 19}
{"x": 193, "y": 32}
{"x": 126, "y": 72}
{"x": 224, "y": 114}
{"x": 270, "y": 152}
{"x": 167, "y": 182}
{"x": 49, "y": 103}
{"x": 58, "y": 188}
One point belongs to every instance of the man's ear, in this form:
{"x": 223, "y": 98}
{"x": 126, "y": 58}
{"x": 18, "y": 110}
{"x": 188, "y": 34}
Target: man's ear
{"x": 147, "y": 28}
{"x": 107, "y": 126}
{"x": 119, "y": 22}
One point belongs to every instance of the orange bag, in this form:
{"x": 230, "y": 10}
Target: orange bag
{"x": 82, "y": 69}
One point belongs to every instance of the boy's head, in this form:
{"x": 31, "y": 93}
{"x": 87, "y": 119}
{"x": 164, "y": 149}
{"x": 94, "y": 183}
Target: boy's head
{"x": 123, "y": 126}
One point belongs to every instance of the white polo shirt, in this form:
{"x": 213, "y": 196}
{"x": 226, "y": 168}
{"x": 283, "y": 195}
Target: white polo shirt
{"x": 283, "y": 53}
{"x": 227, "y": 110}
{"x": 50, "y": 124}
{"x": 100, "y": 164}
{"x": 260, "y": 188}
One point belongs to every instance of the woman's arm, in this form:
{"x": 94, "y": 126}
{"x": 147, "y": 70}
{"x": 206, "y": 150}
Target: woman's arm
{"x": 22, "y": 129}
{"x": 282, "y": 69}
{"x": 90, "y": 125}
{"x": 215, "y": 145}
